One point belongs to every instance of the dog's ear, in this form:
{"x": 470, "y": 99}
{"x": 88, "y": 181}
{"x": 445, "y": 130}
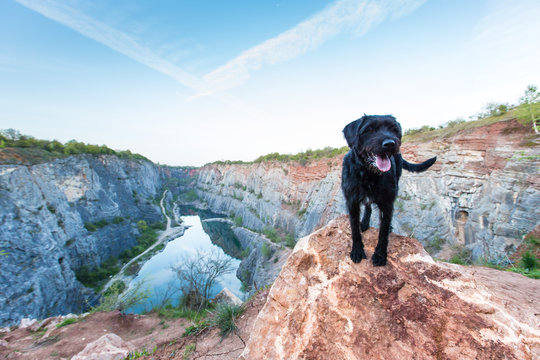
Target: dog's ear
{"x": 351, "y": 132}
{"x": 399, "y": 127}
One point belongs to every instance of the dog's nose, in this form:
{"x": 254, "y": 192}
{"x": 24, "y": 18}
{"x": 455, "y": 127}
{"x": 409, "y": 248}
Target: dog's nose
{"x": 388, "y": 143}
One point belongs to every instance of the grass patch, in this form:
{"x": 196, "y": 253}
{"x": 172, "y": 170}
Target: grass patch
{"x": 188, "y": 351}
{"x": 67, "y": 321}
{"x": 170, "y": 313}
{"x": 225, "y": 318}
{"x": 197, "y": 328}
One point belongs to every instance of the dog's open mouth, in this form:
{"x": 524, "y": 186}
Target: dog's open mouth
{"x": 382, "y": 162}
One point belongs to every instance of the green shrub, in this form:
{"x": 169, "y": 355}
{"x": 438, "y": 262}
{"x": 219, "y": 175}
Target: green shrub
{"x": 529, "y": 261}
{"x": 434, "y": 245}
{"x": 238, "y": 221}
{"x": 118, "y": 220}
{"x": 266, "y": 251}
{"x": 245, "y": 253}
{"x": 90, "y": 227}
{"x": 462, "y": 256}
{"x": 189, "y": 196}
{"x": 289, "y": 241}
{"x": 532, "y": 240}
{"x": 117, "y": 287}
{"x": 271, "y": 234}
{"x": 94, "y": 277}
{"x": 101, "y": 223}
{"x": 225, "y": 318}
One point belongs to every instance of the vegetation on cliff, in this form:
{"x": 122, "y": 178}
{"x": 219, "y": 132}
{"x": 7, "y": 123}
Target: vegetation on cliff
{"x": 527, "y": 112}
{"x": 18, "y": 148}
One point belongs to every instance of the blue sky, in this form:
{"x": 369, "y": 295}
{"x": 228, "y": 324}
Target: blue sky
{"x": 189, "y": 82}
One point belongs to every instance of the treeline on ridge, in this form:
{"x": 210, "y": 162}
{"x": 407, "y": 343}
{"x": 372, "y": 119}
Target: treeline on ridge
{"x": 11, "y": 138}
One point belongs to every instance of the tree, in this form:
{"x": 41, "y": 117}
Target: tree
{"x": 199, "y": 274}
{"x": 11, "y": 134}
{"x": 530, "y": 109}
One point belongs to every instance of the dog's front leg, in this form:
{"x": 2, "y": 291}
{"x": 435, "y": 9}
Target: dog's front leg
{"x": 357, "y": 252}
{"x": 366, "y": 217}
{"x": 379, "y": 256}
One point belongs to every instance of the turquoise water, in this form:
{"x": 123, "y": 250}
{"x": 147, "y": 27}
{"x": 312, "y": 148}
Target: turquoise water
{"x": 161, "y": 281}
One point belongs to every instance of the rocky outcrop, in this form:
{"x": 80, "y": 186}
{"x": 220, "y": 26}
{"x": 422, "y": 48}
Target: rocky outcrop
{"x": 43, "y": 212}
{"x": 483, "y": 192}
{"x": 288, "y": 196}
{"x": 263, "y": 262}
{"x": 107, "y": 347}
{"x": 323, "y": 306}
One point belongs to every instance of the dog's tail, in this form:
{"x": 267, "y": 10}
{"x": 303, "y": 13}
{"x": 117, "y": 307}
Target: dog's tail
{"x": 418, "y": 167}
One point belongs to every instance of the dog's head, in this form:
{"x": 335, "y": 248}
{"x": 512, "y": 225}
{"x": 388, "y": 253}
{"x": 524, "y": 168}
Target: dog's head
{"x": 374, "y": 138}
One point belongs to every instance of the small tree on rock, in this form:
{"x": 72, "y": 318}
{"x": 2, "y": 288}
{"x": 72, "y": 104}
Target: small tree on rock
{"x": 199, "y": 274}
{"x": 530, "y": 109}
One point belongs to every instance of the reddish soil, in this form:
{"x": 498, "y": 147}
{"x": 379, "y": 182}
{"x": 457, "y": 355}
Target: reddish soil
{"x": 141, "y": 331}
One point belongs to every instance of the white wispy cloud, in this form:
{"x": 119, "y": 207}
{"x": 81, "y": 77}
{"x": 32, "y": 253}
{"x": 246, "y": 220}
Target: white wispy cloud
{"x": 112, "y": 38}
{"x": 126, "y": 45}
{"x": 355, "y": 16}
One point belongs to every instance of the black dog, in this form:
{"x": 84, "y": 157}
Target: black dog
{"x": 371, "y": 172}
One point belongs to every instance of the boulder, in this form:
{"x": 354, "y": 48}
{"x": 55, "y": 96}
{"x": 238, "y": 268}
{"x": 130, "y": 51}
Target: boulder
{"x": 227, "y": 297}
{"x": 323, "y": 306}
{"x": 107, "y": 347}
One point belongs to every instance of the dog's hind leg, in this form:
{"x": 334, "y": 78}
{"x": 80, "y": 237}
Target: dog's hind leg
{"x": 379, "y": 256}
{"x": 366, "y": 217}
{"x": 357, "y": 252}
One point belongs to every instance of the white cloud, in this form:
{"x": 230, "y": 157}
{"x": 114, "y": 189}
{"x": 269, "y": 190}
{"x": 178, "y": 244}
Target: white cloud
{"x": 112, "y": 38}
{"x": 355, "y": 16}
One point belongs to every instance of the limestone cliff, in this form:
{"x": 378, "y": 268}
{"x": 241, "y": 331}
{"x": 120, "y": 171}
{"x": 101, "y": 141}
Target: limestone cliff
{"x": 483, "y": 192}
{"x": 323, "y": 306}
{"x": 43, "y": 212}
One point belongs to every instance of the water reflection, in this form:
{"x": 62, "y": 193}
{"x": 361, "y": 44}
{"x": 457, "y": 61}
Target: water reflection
{"x": 157, "y": 275}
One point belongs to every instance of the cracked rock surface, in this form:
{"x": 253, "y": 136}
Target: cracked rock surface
{"x": 323, "y": 306}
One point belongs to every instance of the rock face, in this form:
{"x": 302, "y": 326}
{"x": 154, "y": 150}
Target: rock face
{"x": 107, "y": 347}
{"x": 43, "y": 211}
{"x": 261, "y": 267}
{"x": 482, "y": 193}
{"x": 322, "y": 306}
{"x": 289, "y": 196}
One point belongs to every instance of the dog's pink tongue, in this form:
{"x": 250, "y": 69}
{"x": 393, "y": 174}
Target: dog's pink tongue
{"x": 383, "y": 163}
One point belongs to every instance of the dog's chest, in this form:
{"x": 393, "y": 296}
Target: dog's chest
{"x": 379, "y": 188}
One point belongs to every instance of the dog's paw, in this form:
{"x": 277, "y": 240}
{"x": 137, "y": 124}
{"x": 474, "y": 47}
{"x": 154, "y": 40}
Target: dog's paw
{"x": 378, "y": 259}
{"x": 357, "y": 255}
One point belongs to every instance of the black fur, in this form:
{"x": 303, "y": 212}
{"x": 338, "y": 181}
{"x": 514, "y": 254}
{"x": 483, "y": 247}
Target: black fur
{"x": 363, "y": 183}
